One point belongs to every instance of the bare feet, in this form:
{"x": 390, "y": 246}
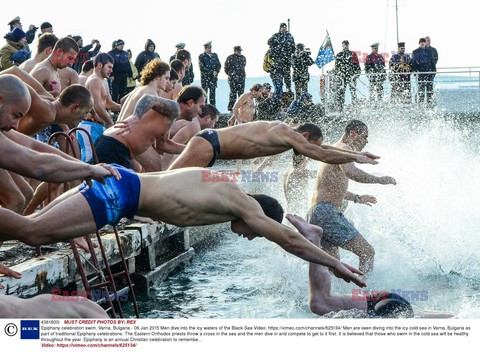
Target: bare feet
{"x": 313, "y": 233}
{"x": 9, "y": 272}
{"x": 81, "y": 242}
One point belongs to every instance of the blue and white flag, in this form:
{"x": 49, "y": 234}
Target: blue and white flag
{"x": 325, "y": 54}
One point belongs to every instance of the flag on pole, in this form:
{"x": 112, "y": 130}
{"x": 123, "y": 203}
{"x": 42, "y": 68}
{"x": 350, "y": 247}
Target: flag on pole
{"x": 325, "y": 54}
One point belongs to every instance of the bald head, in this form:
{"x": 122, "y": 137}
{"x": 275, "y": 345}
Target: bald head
{"x": 15, "y": 101}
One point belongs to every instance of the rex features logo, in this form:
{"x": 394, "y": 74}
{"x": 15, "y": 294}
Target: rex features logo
{"x": 29, "y": 329}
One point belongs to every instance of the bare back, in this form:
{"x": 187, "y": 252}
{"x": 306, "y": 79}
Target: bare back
{"x": 244, "y": 108}
{"x": 193, "y": 197}
{"x": 255, "y": 139}
{"x": 331, "y": 183}
{"x": 129, "y": 106}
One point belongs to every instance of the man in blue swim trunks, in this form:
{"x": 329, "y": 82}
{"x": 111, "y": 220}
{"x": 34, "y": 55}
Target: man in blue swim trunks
{"x": 179, "y": 197}
{"x": 331, "y": 189}
{"x": 382, "y": 304}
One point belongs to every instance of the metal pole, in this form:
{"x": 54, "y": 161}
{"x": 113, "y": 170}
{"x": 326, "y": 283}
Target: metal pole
{"x": 288, "y": 24}
{"x": 396, "y": 14}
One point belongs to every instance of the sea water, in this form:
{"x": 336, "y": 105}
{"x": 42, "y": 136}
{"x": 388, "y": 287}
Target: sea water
{"x": 424, "y": 231}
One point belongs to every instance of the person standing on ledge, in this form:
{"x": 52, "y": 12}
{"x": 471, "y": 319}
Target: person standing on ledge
{"x": 209, "y": 68}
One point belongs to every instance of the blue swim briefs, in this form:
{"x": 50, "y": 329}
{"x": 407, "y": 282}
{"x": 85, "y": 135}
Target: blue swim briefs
{"x": 115, "y": 199}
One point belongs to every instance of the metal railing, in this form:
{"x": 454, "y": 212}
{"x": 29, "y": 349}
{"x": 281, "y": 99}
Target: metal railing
{"x": 451, "y": 84}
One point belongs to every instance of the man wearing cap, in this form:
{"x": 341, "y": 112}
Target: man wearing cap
{"x": 301, "y": 61}
{"x": 30, "y": 34}
{"x": 282, "y": 46}
{"x": 86, "y": 53}
{"x": 235, "y": 70}
{"x": 121, "y": 70}
{"x": 375, "y": 69}
{"x": 423, "y": 62}
{"x": 189, "y": 75}
{"x": 401, "y": 65}
{"x": 347, "y": 69}
{"x": 209, "y": 68}
{"x": 13, "y": 52}
{"x": 46, "y": 27}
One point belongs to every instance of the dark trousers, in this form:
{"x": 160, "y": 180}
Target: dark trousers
{"x": 425, "y": 82}
{"x": 210, "y": 86}
{"x": 237, "y": 87}
{"x": 301, "y": 85}
{"x": 342, "y": 83}
{"x": 376, "y": 89}
{"x": 119, "y": 87}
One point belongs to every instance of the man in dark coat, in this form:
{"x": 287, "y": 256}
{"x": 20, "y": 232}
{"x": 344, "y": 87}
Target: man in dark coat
{"x": 301, "y": 61}
{"x": 121, "y": 70}
{"x": 347, "y": 69}
{"x": 401, "y": 65}
{"x": 375, "y": 70}
{"x": 146, "y": 56}
{"x": 235, "y": 70}
{"x": 189, "y": 75}
{"x": 282, "y": 46}
{"x": 86, "y": 53}
{"x": 423, "y": 61}
{"x": 209, "y": 68}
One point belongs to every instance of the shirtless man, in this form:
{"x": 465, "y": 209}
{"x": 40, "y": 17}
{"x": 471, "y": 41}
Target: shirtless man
{"x": 295, "y": 185}
{"x": 87, "y": 71}
{"x": 69, "y": 108}
{"x": 45, "y": 45}
{"x": 381, "y": 305}
{"x": 155, "y": 76}
{"x": 46, "y": 72}
{"x": 96, "y": 84}
{"x": 179, "y": 197}
{"x": 206, "y": 119}
{"x": 179, "y": 67}
{"x": 68, "y": 76}
{"x": 261, "y": 138}
{"x": 244, "y": 108}
{"x": 190, "y": 99}
{"x": 331, "y": 189}
{"x": 157, "y": 115}
{"x": 170, "y": 84}
{"x": 44, "y": 306}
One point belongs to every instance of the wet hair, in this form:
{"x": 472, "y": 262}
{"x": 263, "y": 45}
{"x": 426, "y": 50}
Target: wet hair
{"x": 190, "y": 92}
{"x": 87, "y": 66}
{"x": 103, "y": 58}
{"x": 75, "y": 93}
{"x": 314, "y": 131}
{"x": 183, "y": 55}
{"x": 173, "y": 75}
{"x": 46, "y": 40}
{"x": 256, "y": 87}
{"x": 270, "y": 206}
{"x": 177, "y": 65}
{"x": 209, "y": 109}
{"x": 155, "y": 68}
{"x": 357, "y": 126}
{"x": 66, "y": 44}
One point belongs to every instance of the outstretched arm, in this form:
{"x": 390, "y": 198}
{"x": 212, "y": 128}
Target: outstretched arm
{"x": 329, "y": 156}
{"x": 357, "y": 175}
{"x": 250, "y": 211}
{"x": 48, "y": 167}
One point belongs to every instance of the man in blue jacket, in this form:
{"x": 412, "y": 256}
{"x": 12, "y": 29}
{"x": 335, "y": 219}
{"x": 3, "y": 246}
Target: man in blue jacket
{"x": 209, "y": 68}
{"x": 121, "y": 70}
{"x": 424, "y": 63}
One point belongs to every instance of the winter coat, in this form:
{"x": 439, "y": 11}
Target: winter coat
{"x": 300, "y": 63}
{"x": 146, "y": 56}
{"x": 84, "y": 55}
{"x": 422, "y": 60}
{"x": 6, "y": 53}
{"x": 282, "y": 46}
{"x": 346, "y": 64}
{"x": 209, "y": 64}
{"x": 122, "y": 64}
{"x": 375, "y": 64}
{"x": 235, "y": 67}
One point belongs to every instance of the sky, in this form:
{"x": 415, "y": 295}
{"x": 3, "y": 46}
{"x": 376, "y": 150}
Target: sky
{"x": 248, "y": 23}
